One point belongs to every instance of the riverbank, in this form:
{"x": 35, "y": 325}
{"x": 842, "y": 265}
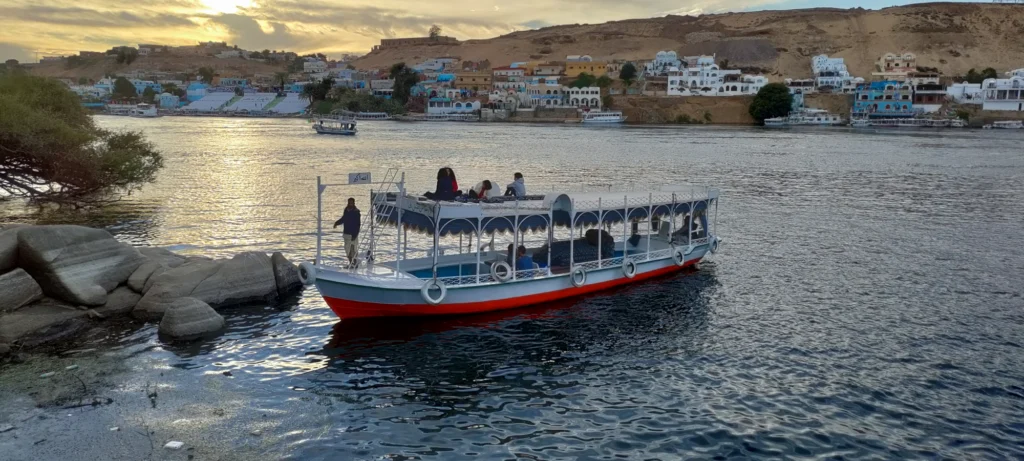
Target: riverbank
{"x": 58, "y": 281}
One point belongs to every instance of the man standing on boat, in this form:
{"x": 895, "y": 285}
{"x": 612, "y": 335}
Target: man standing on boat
{"x": 350, "y": 221}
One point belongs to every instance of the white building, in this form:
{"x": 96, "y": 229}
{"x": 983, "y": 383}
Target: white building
{"x": 579, "y": 58}
{"x": 1004, "y": 93}
{"x": 586, "y": 97}
{"x": 663, "y": 61}
{"x": 544, "y": 92}
{"x": 314, "y": 67}
{"x": 444, "y": 106}
{"x": 965, "y": 93}
{"x": 435, "y": 65}
{"x": 831, "y": 73}
{"x": 702, "y": 77}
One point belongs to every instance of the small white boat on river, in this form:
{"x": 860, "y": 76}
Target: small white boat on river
{"x": 1005, "y": 125}
{"x": 908, "y": 122}
{"x": 372, "y": 116}
{"x": 806, "y": 117}
{"x": 421, "y": 257}
{"x": 345, "y": 126}
{"x": 597, "y": 117}
{"x": 144, "y": 111}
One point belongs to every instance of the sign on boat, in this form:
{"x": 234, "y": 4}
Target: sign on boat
{"x": 579, "y": 242}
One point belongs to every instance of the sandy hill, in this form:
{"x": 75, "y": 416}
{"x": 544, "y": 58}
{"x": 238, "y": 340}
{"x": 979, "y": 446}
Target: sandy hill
{"x": 953, "y": 37}
{"x": 96, "y": 68}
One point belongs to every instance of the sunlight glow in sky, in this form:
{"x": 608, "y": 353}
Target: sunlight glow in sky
{"x": 51, "y": 27}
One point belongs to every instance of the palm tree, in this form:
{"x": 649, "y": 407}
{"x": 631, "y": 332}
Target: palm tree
{"x": 308, "y": 92}
{"x": 282, "y": 78}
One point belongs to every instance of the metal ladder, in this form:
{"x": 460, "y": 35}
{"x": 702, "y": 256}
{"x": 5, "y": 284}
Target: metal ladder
{"x": 376, "y": 225}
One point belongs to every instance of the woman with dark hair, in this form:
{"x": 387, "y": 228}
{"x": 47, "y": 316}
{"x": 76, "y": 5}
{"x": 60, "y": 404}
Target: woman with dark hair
{"x": 443, "y": 190}
{"x": 455, "y": 183}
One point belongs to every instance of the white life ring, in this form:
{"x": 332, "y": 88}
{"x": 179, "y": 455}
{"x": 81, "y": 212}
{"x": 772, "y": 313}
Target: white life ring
{"x": 307, "y": 273}
{"x": 501, "y": 265}
{"x": 425, "y": 291}
{"x": 578, "y": 277}
{"x": 629, "y": 268}
{"x": 679, "y": 257}
{"x": 714, "y": 245}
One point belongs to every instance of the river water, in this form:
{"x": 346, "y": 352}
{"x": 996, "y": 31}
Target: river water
{"x": 866, "y": 302}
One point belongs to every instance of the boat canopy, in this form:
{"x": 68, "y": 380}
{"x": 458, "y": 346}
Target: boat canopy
{"x": 537, "y": 212}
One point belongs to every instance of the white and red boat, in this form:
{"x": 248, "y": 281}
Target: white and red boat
{"x": 451, "y": 263}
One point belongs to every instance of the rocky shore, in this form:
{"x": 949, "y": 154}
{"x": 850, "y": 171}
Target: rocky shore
{"x": 56, "y": 281}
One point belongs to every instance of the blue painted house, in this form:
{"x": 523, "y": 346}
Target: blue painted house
{"x": 886, "y": 98}
{"x": 195, "y": 91}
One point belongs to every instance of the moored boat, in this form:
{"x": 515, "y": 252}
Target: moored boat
{"x": 597, "y": 117}
{"x": 806, "y": 117}
{"x": 909, "y": 122}
{"x": 1005, "y": 125}
{"x": 632, "y": 237}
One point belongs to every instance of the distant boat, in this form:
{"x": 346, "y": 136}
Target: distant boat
{"x": 908, "y": 122}
{"x": 340, "y": 126}
{"x": 1005, "y": 125}
{"x": 598, "y": 117}
{"x": 372, "y": 116}
{"x": 806, "y": 117}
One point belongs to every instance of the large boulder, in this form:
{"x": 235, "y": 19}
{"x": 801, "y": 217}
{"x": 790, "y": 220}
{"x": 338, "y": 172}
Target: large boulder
{"x": 9, "y": 248}
{"x": 246, "y": 278}
{"x": 158, "y": 260}
{"x": 44, "y": 321}
{"x": 189, "y": 318}
{"x": 76, "y": 264}
{"x": 17, "y": 289}
{"x": 172, "y": 284}
{"x": 119, "y": 302}
{"x": 286, "y": 274}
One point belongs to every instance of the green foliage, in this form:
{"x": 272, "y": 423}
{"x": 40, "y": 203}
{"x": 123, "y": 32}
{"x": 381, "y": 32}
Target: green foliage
{"x": 628, "y": 74}
{"x": 239, "y": 92}
{"x": 773, "y": 100}
{"x": 206, "y": 73}
{"x": 723, "y": 64}
{"x": 974, "y": 76}
{"x": 127, "y": 55}
{"x": 318, "y": 91}
{"x": 607, "y": 101}
{"x": 405, "y": 78}
{"x": 148, "y": 95}
{"x": 124, "y": 89}
{"x": 83, "y": 81}
{"x": 173, "y": 89}
{"x": 351, "y": 100}
{"x": 435, "y": 31}
{"x": 963, "y": 114}
{"x": 707, "y": 117}
{"x": 583, "y": 80}
{"x": 72, "y": 62}
{"x": 281, "y": 78}
{"x": 50, "y": 149}
{"x": 683, "y": 119}
{"x": 604, "y": 81}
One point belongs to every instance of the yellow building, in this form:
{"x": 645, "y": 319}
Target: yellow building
{"x": 473, "y": 81}
{"x": 596, "y": 68}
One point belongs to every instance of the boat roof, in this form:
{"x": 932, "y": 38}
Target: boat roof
{"x": 536, "y": 212}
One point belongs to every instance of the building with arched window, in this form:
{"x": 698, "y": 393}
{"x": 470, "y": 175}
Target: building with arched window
{"x": 1004, "y": 93}
{"x": 586, "y": 97}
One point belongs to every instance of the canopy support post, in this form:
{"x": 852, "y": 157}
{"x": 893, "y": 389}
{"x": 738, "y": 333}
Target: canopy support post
{"x": 625, "y": 226}
{"x": 319, "y": 219}
{"x": 672, "y": 220}
{"x": 477, "y": 231}
{"x": 650, "y": 218}
{"x": 398, "y": 228}
{"x": 551, "y": 235}
{"x": 600, "y": 233}
{"x": 572, "y": 236}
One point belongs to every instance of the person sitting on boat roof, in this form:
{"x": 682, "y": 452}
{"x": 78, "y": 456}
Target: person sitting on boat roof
{"x": 524, "y": 262}
{"x": 518, "y": 186}
{"x": 444, "y": 188}
{"x": 483, "y": 190}
{"x": 350, "y": 222}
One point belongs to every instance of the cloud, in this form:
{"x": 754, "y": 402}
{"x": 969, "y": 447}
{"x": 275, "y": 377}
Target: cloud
{"x": 85, "y": 17}
{"x": 12, "y": 51}
{"x": 536, "y": 24}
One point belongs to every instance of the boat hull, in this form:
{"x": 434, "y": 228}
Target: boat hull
{"x": 349, "y": 300}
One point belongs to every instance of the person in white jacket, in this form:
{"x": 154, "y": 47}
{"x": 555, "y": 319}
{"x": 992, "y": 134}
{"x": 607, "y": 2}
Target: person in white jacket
{"x": 517, "y": 187}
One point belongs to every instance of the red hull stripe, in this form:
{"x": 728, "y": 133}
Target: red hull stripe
{"x": 353, "y": 309}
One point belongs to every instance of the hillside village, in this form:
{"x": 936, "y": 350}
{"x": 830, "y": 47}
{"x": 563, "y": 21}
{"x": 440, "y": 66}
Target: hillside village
{"x": 215, "y": 78}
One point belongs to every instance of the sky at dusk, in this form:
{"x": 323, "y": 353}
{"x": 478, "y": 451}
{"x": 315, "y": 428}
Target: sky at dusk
{"x": 48, "y": 27}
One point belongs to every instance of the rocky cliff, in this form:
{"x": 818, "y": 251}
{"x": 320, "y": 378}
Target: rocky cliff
{"x": 952, "y": 37}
